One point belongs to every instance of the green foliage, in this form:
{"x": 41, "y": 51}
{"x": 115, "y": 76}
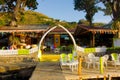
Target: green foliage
{"x": 88, "y": 7}
{"x": 31, "y": 17}
{"x": 22, "y": 20}
{"x": 1, "y": 2}
{"x": 2, "y": 22}
{"x": 116, "y": 24}
{"x": 10, "y": 5}
{"x": 14, "y": 40}
{"x": 17, "y": 7}
{"x": 113, "y": 50}
{"x": 31, "y": 4}
{"x": 68, "y": 24}
{"x": 99, "y": 24}
{"x": 112, "y": 7}
{"x": 82, "y": 21}
{"x": 48, "y": 23}
{"x": 4, "y": 18}
{"x": 85, "y": 22}
{"x": 107, "y": 9}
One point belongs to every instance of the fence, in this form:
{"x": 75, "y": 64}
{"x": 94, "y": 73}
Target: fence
{"x": 88, "y": 50}
{"x": 18, "y": 51}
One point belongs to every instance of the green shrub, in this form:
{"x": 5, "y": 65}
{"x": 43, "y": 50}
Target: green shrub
{"x": 2, "y": 22}
{"x": 113, "y": 50}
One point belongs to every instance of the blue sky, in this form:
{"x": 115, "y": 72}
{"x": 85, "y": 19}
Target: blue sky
{"x": 64, "y": 10}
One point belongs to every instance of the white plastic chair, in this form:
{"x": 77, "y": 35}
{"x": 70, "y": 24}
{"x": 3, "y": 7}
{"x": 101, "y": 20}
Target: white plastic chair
{"x": 67, "y": 60}
{"x": 63, "y": 59}
{"x": 73, "y": 64}
{"x": 115, "y": 59}
{"x": 57, "y": 50}
{"x": 105, "y": 60}
{"x": 91, "y": 60}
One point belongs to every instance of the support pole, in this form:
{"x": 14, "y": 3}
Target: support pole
{"x": 104, "y": 77}
{"x": 80, "y": 66}
{"x": 101, "y": 65}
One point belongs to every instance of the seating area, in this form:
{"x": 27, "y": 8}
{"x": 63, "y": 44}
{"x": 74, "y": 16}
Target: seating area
{"x": 90, "y": 61}
{"x": 94, "y": 61}
{"x": 68, "y": 60}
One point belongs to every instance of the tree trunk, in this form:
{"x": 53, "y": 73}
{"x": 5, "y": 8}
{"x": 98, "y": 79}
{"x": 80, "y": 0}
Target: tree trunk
{"x": 115, "y": 5}
{"x": 91, "y": 24}
{"x": 22, "y": 7}
{"x": 116, "y": 10}
{"x": 118, "y": 24}
{"x": 13, "y": 23}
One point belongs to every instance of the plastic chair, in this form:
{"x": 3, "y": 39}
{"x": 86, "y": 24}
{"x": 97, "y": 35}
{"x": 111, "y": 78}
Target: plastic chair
{"x": 91, "y": 60}
{"x": 105, "y": 59}
{"x": 73, "y": 64}
{"x": 70, "y": 57}
{"x": 57, "y": 50}
{"x": 63, "y": 58}
{"x": 115, "y": 59}
{"x": 67, "y": 60}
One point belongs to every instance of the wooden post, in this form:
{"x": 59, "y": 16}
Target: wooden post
{"x": 104, "y": 77}
{"x": 39, "y": 55}
{"x": 118, "y": 24}
{"x": 93, "y": 40}
{"x": 101, "y": 65}
{"x": 80, "y": 66}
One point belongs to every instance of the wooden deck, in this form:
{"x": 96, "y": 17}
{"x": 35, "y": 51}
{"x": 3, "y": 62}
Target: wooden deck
{"x": 51, "y": 71}
{"x": 47, "y": 71}
{"x": 111, "y": 73}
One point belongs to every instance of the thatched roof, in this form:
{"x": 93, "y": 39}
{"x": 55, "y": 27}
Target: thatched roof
{"x": 24, "y": 28}
{"x": 81, "y": 29}
{"x": 62, "y": 31}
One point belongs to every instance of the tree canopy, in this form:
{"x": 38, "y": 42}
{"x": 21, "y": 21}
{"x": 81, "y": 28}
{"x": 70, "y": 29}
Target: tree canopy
{"x": 111, "y": 7}
{"x": 88, "y": 6}
{"x": 17, "y": 7}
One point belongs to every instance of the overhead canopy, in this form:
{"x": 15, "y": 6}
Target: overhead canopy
{"x": 24, "y": 28}
{"x": 81, "y": 29}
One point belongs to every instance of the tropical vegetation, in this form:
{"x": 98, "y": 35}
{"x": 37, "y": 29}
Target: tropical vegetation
{"x": 17, "y": 8}
{"x": 31, "y": 17}
{"x": 111, "y": 7}
{"x": 88, "y": 6}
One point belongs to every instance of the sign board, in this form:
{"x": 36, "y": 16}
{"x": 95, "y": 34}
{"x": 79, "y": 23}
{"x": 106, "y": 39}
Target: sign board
{"x": 23, "y": 51}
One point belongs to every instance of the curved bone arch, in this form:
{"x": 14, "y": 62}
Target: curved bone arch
{"x": 40, "y": 43}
